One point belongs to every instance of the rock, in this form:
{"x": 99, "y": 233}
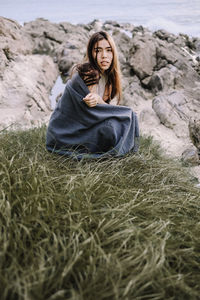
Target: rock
{"x": 66, "y": 63}
{"x": 168, "y": 108}
{"x": 122, "y": 41}
{"x": 195, "y": 171}
{"x": 67, "y": 58}
{"x": 3, "y": 61}
{"x": 25, "y": 80}
{"x": 194, "y": 130}
{"x": 45, "y": 35}
{"x": 132, "y": 89}
{"x": 154, "y": 82}
{"x": 196, "y": 42}
{"x": 12, "y": 40}
{"x": 142, "y": 56}
{"x": 64, "y": 41}
{"x": 113, "y": 23}
{"x": 162, "y": 80}
{"x": 96, "y": 25}
{"x": 166, "y": 52}
{"x": 147, "y": 117}
{"x": 165, "y": 35}
{"x": 190, "y": 156}
{"x": 25, "y": 89}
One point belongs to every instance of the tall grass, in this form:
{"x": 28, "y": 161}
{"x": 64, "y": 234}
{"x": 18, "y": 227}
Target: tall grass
{"x": 123, "y": 228}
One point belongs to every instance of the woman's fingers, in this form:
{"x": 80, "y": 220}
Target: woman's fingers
{"x": 91, "y": 100}
{"x": 89, "y": 96}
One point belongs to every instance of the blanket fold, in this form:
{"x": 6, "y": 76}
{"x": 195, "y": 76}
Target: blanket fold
{"x": 78, "y": 130}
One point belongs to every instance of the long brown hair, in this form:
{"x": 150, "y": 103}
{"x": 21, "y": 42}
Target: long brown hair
{"x": 113, "y": 73}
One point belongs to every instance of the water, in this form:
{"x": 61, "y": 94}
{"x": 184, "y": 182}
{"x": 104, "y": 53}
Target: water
{"x": 56, "y": 91}
{"x": 175, "y": 16}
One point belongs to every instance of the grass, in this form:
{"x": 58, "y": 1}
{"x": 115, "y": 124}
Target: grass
{"x": 116, "y": 229}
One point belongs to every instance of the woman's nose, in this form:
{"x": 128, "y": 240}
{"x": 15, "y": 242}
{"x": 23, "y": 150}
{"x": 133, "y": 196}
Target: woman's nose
{"x": 104, "y": 54}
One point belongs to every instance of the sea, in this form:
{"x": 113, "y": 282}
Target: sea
{"x": 177, "y": 16}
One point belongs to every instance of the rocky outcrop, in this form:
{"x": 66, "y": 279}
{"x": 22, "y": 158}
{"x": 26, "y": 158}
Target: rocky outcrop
{"x": 13, "y": 40}
{"x": 161, "y": 76}
{"x": 25, "y": 89}
{"x": 161, "y": 84}
{"x": 26, "y": 80}
{"x": 194, "y": 130}
{"x": 65, "y": 42}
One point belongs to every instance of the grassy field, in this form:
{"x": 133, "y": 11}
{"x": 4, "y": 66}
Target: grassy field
{"x": 114, "y": 229}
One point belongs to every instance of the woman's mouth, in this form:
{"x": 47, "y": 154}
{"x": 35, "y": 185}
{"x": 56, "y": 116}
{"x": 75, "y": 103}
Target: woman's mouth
{"x": 104, "y": 63}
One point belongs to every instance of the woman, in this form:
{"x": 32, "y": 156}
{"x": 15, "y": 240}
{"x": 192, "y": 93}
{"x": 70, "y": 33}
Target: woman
{"x": 83, "y": 123}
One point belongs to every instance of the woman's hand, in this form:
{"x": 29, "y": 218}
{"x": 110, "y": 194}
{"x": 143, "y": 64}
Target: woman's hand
{"x": 93, "y": 99}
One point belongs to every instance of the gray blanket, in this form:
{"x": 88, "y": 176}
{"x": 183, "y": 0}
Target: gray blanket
{"x": 81, "y": 131}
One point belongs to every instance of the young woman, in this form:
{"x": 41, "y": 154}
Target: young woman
{"x": 84, "y": 123}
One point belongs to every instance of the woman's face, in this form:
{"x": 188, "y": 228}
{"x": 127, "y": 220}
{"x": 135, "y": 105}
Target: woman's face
{"x": 102, "y": 53}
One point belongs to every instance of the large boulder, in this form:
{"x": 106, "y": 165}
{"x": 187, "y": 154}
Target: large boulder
{"x": 142, "y": 56}
{"x": 194, "y": 130}
{"x": 170, "y": 110}
{"x": 64, "y": 42}
{"x": 190, "y": 156}
{"x": 26, "y": 80}
{"x": 45, "y": 35}
{"x": 25, "y": 89}
{"x": 162, "y": 80}
{"x": 13, "y": 40}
